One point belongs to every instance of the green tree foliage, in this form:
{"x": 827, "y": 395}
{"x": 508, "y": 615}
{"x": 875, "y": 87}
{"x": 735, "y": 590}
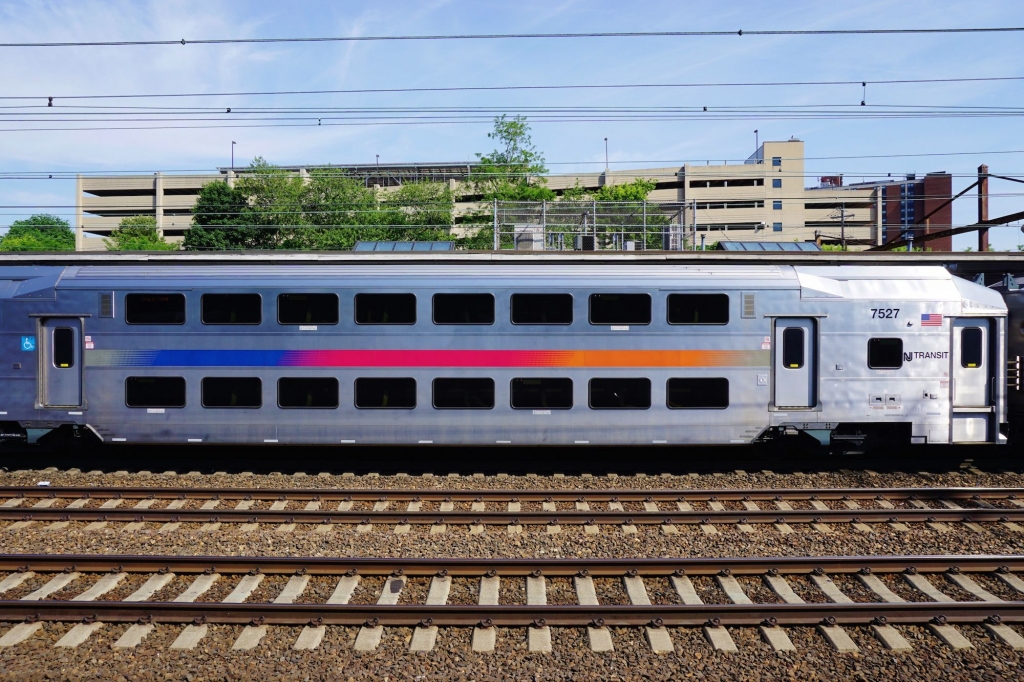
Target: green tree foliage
{"x": 272, "y": 208}
{"x": 514, "y": 170}
{"x": 40, "y": 232}
{"x": 621, "y": 211}
{"x": 138, "y": 233}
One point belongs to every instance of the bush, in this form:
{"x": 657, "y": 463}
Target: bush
{"x": 138, "y": 233}
{"x": 41, "y": 232}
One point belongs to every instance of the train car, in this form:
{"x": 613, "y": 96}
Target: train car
{"x": 471, "y": 353}
{"x": 1014, "y": 298}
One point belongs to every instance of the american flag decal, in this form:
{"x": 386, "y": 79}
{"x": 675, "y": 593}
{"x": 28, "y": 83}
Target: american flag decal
{"x": 931, "y": 320}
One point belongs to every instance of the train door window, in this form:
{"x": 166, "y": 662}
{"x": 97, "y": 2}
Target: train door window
{"x": 698, "y": 394}
{"x": 231, "y": 308}
{"x": 541, "y": 309}
{"x": 463, "y": 394}
{"x": 307, "y": 308}
{"x": 885, "y": 353}
{"x": 793, "y": 348}
{"x": 463, "y": 309}
{"x": 620, "y": 309}
{"x": 698, "y": 309}
{"x": 970, "y": 347}
{"x": 307, "y": 392}
{"x": 154, "y": 392}
{"x": 232, "y": 392}
{"x": 64, "y": 347}
{"x": 386, "y": 393}
{"x": 620, "y": 394}
{"x": 542, "y": 394}
{"x": 385, "y": 309}
{"x": 154, "y": 308}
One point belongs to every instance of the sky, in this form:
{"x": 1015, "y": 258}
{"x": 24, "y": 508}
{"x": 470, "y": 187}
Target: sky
{"x": 857, "y": 148}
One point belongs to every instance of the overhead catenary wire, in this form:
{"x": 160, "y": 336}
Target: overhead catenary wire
{"x": 493, "y": 88}
{"x": 520, "y": 36}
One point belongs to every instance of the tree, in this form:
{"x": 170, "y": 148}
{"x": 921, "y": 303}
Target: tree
{"x": 222, "y": 220}
{"x": 41, "y": 232}
{"x": 138, "y": 233}
{"x": 513, "y": 171}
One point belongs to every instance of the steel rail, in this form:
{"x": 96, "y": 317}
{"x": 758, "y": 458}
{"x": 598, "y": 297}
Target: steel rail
{"x": 506, "y": 518}
{"x": 506, "y": 495}
{"x": 513, "y": 615}
{"x": 184, "y": 564}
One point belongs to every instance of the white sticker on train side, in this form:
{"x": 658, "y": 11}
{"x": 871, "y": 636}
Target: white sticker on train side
{"x": 154, "y": 410}
{"x": 620, "y": 328}
{"x": 307, "y": 327}
{"x": 542, "y": 411}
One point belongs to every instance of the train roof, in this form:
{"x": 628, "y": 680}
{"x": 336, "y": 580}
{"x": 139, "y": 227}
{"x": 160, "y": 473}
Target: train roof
{"x": 821, "y": 283}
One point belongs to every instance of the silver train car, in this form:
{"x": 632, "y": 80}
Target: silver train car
{"x": 520, "y": 354}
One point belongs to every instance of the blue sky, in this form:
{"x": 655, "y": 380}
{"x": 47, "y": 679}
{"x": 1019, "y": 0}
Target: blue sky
{"x": 567, "y": 146}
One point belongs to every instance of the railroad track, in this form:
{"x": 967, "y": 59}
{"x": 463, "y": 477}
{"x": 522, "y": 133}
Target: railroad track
{"x": 513, "y": 508}
{"x": 829, "y": 593}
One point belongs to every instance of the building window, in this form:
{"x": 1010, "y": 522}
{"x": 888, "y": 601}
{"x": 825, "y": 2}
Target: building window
{"x": 154, "y": 309}
{"x": 541, "y": 309}
{"x": 698, "y": 394}
{"x": 542, "y": 394}
{"x": 231, "y": 308}
{"x": 463, "y": 394}
{"x": 776, "y": 227}
{"x": 970, "y": 347}
{"x": 154, "y": 392}
{"x": 777, "y": 205}
{"x": 64, "y": 347}
{"x": 885, "y": 353}
{"x": 620, "y": 309}
{"x": 232, "y": 392}
{"x": 620, "y": 394}
{"x": 793, "y": 348}
{"x": 386, "y": 393}
{"x": 307, "y": 392}
{"x": 463, "y": 309}
{"x": 777, "y": 183}
{"x": 698, "y": 309}
{"x": 776, "y": 160}
{"x": 385, "y": 309}
{"x": 307, "y": 308}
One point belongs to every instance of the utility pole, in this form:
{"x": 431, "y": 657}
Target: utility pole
{"x": 840, "y": 215}
{"x": 233, "y": 143}
{"x": 757, "y": 141}
{"x": 983, "y": 206}
{"x": 694, "y": 242}
{"x": 606, "y": 158}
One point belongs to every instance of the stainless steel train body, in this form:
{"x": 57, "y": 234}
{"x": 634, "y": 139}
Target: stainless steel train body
{"x": 602, "y": 353}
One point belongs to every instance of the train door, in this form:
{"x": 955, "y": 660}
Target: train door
{"x": 972, "y": 380}
{"x": 795, "y": 366}
{"x": 60, "y": 362}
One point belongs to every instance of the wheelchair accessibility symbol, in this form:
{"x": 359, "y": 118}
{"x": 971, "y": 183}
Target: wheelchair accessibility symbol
{"x": 28, "y": 343}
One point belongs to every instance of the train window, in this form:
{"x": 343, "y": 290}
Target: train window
{"x": 307, "y": 308}
{"x": 620, "y": 394}
{"x": 154, "y": 392}
{"x": 307, "y": 392}
{"x": 885, "y": 353}
{"x": 232, "y": 392}
{"x": 464, "y": 394}
{"x": 154, "y": 308}
{"x": 386, "y": 393}
{"x": 793, "y": 348}
{"x": 620, "y": 309}
{"x": 463, "y": 309}
{"x": 385, "y": 309}
{"x": 698, "y": 309}
{"x": 541, "y": 309}
{"x": 698, "y": 394}
{"x": 231, "y": 308}
{"x": 542, "y": 394}
{"x": 970, "y": 347}
{"x": 63, "y": 347}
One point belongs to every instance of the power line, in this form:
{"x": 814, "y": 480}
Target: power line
{"x": 492, "y": 88}
{"x": 516, "y": 36}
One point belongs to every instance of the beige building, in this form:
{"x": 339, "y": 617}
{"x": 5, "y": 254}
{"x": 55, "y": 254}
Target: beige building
{"x": 764, "y": 198}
